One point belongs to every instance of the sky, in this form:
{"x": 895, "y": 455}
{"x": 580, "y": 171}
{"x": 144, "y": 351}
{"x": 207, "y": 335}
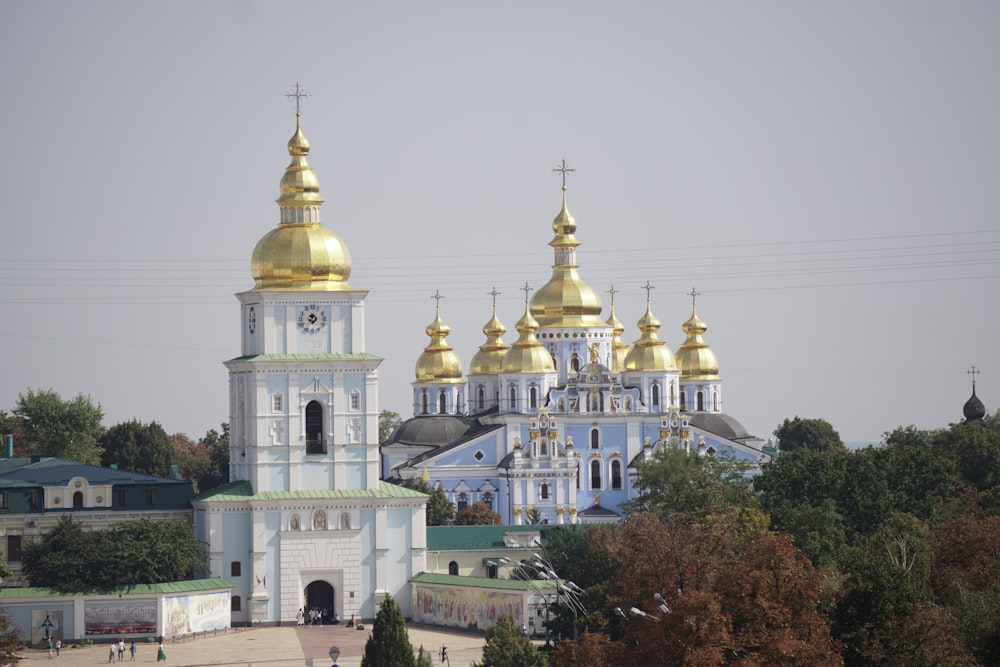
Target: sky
{"x": 826, "y": 175}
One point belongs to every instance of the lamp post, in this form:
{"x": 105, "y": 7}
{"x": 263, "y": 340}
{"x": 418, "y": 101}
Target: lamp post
{"x": 565, "y": 591}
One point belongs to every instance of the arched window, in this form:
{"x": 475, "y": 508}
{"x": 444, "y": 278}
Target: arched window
{"x": 481, "y": 397}
{"x": 345, "y": 521}
{"x": 543, "y": 447}
{"x": 595, "y": 474}
{"x": 235, "y": 569}
{"x": 78, "y": 499}
{"x": 533, "y": 397}
{"x": 595, "y": 439}
{"x": 543, "y": 491}
{"x": 453, "y": 568}
{"x": 616, "y": 475}
{"x": 315, "y": 442}
{"x": 700, "y": 398}
{"x": 656, "y": 395}
{"x": 683, "y": 400}
{"x": 424, "y": 402}
{"x": 574, "y": 364}
{"x": 488, "y": 499}
{"x": 673, "y": 390}
{"x": 442, "y": 402}
{"x": 513, "y": 398}
{"x": 715, "y": 399}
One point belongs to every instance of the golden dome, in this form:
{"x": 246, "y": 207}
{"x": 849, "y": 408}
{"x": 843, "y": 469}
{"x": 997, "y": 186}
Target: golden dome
{"x": 489, "y": 358}
{"x": 619, "y": 349}
{"x": 300, "y": 254}
{"x": 695, "y": 358}
{"x": 566, "y": 300}
{"x": 438, "y": 362}
{"x": 527, "y": 355}
{"x": 649, "y": 354}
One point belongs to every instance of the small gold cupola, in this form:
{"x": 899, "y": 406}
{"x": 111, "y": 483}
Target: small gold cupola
{"x": 619, "y": 349}
{"x": 695, "y": 359}
{"x": 649, "y": 354}
{"x": 527, "y": 355}
{"x": 438, "y": 362}
{"x": 566, "y": 300}
{"x": 300, "y": 254}
{"x": 489, "y": 358}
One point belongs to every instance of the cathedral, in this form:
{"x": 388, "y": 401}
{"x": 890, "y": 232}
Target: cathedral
{"x": 306, "y": 521}
{"x": 551, "y": 427}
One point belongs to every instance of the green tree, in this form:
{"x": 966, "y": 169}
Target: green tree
{"x": 63, "y": 429}
{"x": 477, "y": 514}
{"x": 217, "y": 446}
{"x": 506, "y": 647}
{"x": 10, "y": 642}
{"x": 70, "y": 559}
{"x": 138, "y": 447}
{"x": 440, "y": 510}
{"x": 975, "y": 449}
{"x": 387, "y": 423}
{"x": 816, "y": 434}
{"x": 206, "y": 462}
{"x": 388, "y": 645}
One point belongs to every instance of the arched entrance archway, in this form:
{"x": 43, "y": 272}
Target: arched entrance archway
{"x": 319, "y": 595}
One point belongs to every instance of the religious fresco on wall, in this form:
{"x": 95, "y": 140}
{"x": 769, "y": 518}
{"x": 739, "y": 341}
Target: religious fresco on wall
{"x": 184, "y": 614}
{"x": 465, "y": 608}
{"x": 46, "y": 624}
{"x": 120, "y": 619}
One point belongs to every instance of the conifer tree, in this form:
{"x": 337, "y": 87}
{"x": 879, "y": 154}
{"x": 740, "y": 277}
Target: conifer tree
{"x": 389, "y": 645}
{"x": 506, "y": 647}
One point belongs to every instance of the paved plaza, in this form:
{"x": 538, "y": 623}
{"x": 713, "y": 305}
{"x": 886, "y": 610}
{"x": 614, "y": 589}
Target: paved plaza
{"x": 275, "y": 647}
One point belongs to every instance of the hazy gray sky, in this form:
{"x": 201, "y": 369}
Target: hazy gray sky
{"x": 826, "y": 174}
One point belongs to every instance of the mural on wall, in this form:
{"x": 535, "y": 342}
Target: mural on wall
{"x": 119, "y": 619}
{"x": 184, "y": 614}
{"x": 46, "y": 624}
{"x": 465, "y": 608}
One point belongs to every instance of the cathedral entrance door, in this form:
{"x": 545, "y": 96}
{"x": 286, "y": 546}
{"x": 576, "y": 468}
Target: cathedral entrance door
{"x": 319, "y": 595}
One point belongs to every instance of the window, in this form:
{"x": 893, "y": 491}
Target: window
{"x": 4, "y": 501}
{"x": 715, "y": 400}
{"x": 683, "y": 399}
{"x": 533, "y": 397}
{"x": 616, "y": 475}
{"x": 235, "y": 569}
{"x": 574, "y": 364}
{"x": 424, "y": 402}
{"x": 453, "y": 568}
{"x": 314, "y": 429}
{"x": 442, "y": 402}
{"x": 700, "y": 398}
{"x": 236, "y": 604}
{"x": 543, "y": 491}
{"x": 656, "y": 395}
{"x": 78, "y": 499}
{"x": 595, "y": 439}
{"x": 488, "y": 499}
{"x": 595, "y": 474}
{"x": 32, "y": 500}
{"x": 13, "y": 548}
{"x": 481, "y": 397}
{"x": 463, "y": 502}
{"x": 355, "y": 400}
{"x": 122, "y": 498}
{"x": 277, "y": 402}
{"x": 149, "y": 496}
{"x": 492, "y": 570}
{"x": 513, "y": 397}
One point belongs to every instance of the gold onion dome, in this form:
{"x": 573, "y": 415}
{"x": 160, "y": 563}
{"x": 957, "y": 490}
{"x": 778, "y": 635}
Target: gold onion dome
{"x": 438, "y": 362}
{"x": 300, "y": 254}
{"x": 619, "y": 349}
{"x": 649, "y": 354}
{"x": 489, "y": 358}
{"x": 527, "y": 355}
{"x": 566, "y": 300}
{"x": 695, "y": 359}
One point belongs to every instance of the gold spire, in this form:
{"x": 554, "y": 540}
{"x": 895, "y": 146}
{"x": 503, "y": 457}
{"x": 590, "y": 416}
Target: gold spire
{"x": 649, "y": 354}
{"x": 488, "y": 359}
{"x": 438, "y": 362}
{"x": 695, "y": 358}
{"x": 527, "y": 355}
{"x": 619, "y": 349}
{"x": 300, "y": 254}
{"x": 566, "y": 300}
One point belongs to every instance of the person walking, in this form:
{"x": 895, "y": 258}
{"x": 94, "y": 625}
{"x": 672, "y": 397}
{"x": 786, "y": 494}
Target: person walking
{"x": 131, "y": 650}
{"x": 58, "y": 646}
{"x": 111, "y": 653}
{"x": 49, "y": 644}
{"x": 160, "y": 655}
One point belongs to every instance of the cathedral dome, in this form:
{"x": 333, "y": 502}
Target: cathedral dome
{"x": 566, "y": 300}
{"x": 695, "y": 359}
{"x": 974, "y": 410}
{"x": 438, "y": 362}
{"x": 649, "y": 354}
{"x": 300, "y": 254}
{"x": 489, "y": 358}
{"x": 527, "y": 355}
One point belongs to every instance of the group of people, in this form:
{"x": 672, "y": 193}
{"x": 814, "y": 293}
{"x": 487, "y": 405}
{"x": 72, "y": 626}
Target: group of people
{"x": 316, "y": 616}
{"x": 117, "y": 649}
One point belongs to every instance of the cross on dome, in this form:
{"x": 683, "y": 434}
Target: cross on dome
{"x": 527, "y": 290}
{"x": 299, "y": 94}
{"x": 648, "y": 287}
{"x": 494, "y": 293}
{"x": 693, "y": 294}
{"x": 563, "y": 169}
{"x": 973, "y": 372}
{"x": 612, "y": 292}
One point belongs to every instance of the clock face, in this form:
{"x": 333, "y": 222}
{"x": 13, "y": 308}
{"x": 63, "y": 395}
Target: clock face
{"x": 252, "y": 319}
{"x": 312, "y": 319}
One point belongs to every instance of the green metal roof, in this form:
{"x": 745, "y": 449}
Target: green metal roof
{"x": 470, "y": 538}
{"x": 192, "y": 586}
{"x": 482, "y": 582}
{"x": 361, "y": 356}
{"x": 242, "y": 492}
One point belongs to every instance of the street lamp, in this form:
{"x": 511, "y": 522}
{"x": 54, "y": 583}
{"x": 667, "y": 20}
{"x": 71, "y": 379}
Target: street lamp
{"x": 334, "y": 654}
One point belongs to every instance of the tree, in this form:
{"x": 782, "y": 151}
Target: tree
{"x": 387, "y": 423}
{"x": 142, "y": 448}
{"x": 815, "y": 434}
{"x": 507, "y": 647}
{"x": 10, "y": 642}
{"x": 63, "y": 429}
{"x": 440, "y": 510}
{"x": 217, "y": 446}
{"x": 590, "y": 649}
{"x": 388, "y": 645}
{"x": 478, "y": 514}
{"x": 206, "y": 462}
{"x": 71, "y": 560}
